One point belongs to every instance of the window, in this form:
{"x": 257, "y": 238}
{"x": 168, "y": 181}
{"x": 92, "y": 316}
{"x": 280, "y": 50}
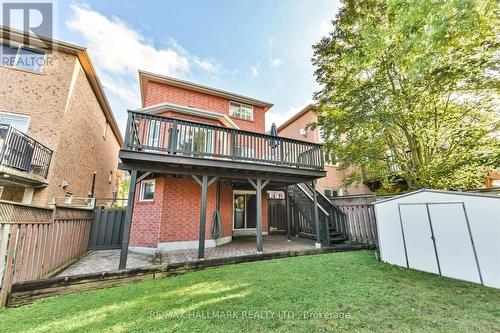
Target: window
{"x": 241, "y": 111}
{"x": 7, "y": 55}
{"x": 18, "y": 121}
{"x": 153, "y": 133}
{"x": 22, "y": 57}
{"x": 147, "y": 190}
{"x": 331, "y": 159}
{"x": 110, "y": 179}
{"x": 331, "y": 193}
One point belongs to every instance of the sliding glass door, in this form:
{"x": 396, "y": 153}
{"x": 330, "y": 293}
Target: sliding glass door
{"x": 244, "y": 208}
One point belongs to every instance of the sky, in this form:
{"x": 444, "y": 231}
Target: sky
{"x": 257, "y": 48}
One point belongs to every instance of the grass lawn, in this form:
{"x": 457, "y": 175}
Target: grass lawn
{"x": 301, "y": 294}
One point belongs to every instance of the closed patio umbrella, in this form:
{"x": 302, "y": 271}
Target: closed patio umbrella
{"x": 273, "y": 143}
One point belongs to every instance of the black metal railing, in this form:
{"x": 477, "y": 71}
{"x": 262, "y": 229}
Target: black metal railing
{"x": 303, "y": 209}
{"x": 23, "y": 153}
{"x": 338, "y": 219}
{"x": 332, "y": 221}
{"x": 146, "y": 132}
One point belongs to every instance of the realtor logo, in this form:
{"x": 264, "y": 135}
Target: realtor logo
{"x": 35, "y": 18}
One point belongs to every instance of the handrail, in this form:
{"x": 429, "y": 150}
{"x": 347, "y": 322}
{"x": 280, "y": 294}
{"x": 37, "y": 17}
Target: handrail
{"x": 225, "y": 128}
{"x": 20, "y": 151}
{"x": 182, "y": 137}
{"x": 311, "y": 198}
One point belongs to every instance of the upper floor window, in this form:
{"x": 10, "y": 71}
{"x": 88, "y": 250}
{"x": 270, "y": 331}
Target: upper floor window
{"x": 242, "y": 111}
{"x": 18, "y": 121}
{"x": 22, "y": 57}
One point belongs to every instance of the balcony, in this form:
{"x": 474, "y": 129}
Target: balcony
{"x": 178, "y": 146}
{"x": 23, "y": 160}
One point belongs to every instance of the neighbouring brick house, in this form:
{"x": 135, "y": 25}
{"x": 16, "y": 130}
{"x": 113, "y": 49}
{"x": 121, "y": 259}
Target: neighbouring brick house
{"x": 333, "y": 184}
{"x": 58, "y": 135}
{"x": 194, "y": 150}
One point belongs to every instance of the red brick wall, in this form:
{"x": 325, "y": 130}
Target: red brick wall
{"x": 162, "y": 93}
{"x": 173, "y": 215}
{"x": 147, "y": 217}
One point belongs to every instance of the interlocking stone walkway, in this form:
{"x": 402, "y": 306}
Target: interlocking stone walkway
{"x": 107, "y": 260}
{"x": 240, "y": 247}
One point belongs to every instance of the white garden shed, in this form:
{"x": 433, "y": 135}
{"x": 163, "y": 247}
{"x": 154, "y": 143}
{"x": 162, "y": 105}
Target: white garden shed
{"x": 453, "y": 234}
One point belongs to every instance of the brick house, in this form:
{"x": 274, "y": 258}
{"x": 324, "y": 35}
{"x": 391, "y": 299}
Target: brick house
{"x": 194, "y": 150}
{"x": 333, "y": 184}
{"x": 58, "y": 136}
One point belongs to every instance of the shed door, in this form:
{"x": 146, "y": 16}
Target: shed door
{"x": 418, "y": 238}
{"x": 453, "y": 242}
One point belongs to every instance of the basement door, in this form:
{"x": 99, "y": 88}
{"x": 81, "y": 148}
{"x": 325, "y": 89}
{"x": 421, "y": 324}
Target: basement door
{"x": 244, "y": 210}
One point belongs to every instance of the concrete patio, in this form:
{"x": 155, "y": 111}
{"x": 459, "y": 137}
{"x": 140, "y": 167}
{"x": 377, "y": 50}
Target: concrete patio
{"x": 107, "y": 260}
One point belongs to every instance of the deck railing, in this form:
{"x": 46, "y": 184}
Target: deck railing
{"x": 23, "y": 153}
{"x": 172, "y": 136}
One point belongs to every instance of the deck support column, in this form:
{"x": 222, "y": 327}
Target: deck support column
{"x": 316, "y": 215}
{"x": 128, "y": 220}
{"x": 205, "y": 184}
{"x": 288, "y": 220}
{"x": 259, "y": 186}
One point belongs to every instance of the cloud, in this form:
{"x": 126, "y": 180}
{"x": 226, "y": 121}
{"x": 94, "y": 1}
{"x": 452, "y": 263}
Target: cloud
{"x": 271, "y": 41}
{"x": 207, "y": 65}
{"x": 254, "y": 72}
{"x": 279, "y": 117}
{"x": 119, "y": 51}
{"x": 324, "y": 28}
{"x": 276, "y": 62}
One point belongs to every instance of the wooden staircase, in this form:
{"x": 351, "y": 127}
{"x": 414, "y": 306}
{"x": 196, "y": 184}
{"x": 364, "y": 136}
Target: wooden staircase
{"x": 332, "y": 220}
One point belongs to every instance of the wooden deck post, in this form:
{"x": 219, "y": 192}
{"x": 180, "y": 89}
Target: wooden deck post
{"x": 128, "y": 220}
{"x": 259, "y": 186}
{"x": 205, "y": 184}
{"x": 288, "y": 218}
{"x": 259, "y": 215}
{"x": 316, "y": 215}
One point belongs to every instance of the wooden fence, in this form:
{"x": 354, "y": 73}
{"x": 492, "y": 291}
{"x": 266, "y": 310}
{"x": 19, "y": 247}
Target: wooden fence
{"x": 35, "y": 241}
{"x": 361, "y": 225}
{"x": 276, "y": 210}
{"x": 107, "y": 228}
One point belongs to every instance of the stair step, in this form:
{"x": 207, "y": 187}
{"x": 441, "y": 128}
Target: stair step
{"x": 336, "y": 234}
{"x": 337, "y": 240}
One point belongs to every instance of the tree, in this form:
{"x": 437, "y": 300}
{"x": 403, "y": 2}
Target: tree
{"x": 124, "y": 186}
{"x": 410, "y": 89}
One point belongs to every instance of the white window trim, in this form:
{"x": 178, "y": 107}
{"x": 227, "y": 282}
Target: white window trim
{"x": 339, "y": 190}
{"x": 141, "y": 196}
{"x": 337, "y": 164}
{"x": 240, "y": 105}
{"x": 18, "y": 116}
{"x": 242, "y": 192}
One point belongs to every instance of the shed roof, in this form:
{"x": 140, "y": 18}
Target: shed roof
{"x": 437, "y": 191}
